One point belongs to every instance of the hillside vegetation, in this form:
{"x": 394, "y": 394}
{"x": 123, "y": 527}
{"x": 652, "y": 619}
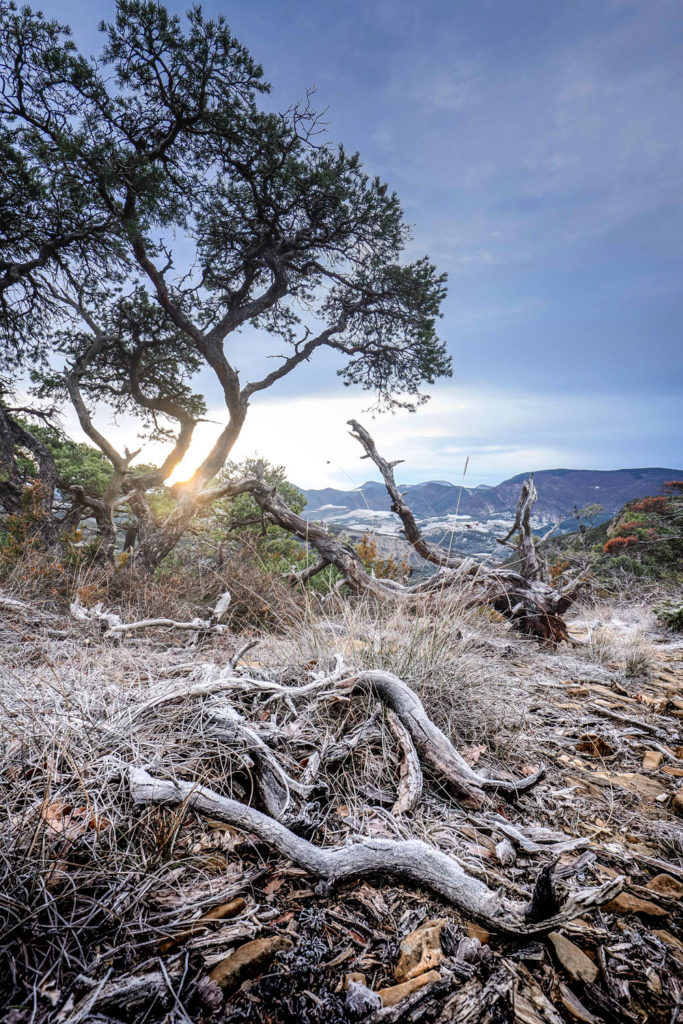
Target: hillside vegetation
{"x": 643, "y": 543}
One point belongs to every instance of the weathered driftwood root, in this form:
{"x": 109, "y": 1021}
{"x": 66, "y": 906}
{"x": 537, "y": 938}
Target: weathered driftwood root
{"x": 411, "y": 860}
{"x": 432, "y": 745}
{"x": 410, "y": 781}
{"x": 524, "y": 597}
{"x": 274, "y": 785}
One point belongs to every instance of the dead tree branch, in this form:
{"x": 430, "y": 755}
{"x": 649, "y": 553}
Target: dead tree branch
{"x": 429, "y": 552}
{"x": 409, "y": 860}
{"x": 531, "y": 565}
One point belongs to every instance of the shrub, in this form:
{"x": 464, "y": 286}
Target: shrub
{"x": 629, "y": 527}
{"x": 383, "y": 568}
{"x": 557, "y": 571}
{"x": 660, "y": 506}
{"x": 617, "y": 545}
{"x": 670, "y": 615}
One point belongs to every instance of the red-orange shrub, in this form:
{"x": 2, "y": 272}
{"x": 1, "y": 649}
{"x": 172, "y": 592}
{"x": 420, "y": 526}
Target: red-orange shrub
{"x": 618, "y": 544}
{"x": 658, "y": 505}
{"x": 629, "y": 527}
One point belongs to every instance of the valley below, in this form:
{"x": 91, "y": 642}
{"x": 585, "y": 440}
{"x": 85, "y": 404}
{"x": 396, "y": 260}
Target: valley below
{"x": 469, "y": 520}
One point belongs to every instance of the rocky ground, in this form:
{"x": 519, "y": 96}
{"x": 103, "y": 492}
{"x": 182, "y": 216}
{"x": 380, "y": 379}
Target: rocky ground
{"x": 113, "y": 912}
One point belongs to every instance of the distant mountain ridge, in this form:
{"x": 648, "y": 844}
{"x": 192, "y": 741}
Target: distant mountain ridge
{"x": 559, "y": 490}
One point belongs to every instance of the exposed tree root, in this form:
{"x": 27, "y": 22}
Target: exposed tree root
{"x": 431, "y": 743}
{"x": 411, "y": 860}
{"x": 410, "y": 782}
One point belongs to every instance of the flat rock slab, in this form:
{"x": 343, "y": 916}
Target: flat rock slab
{"x": 665, "y": 885}
{"x": 652, "y": 760}
{"x": 627, "y": 903}
{"x": 247, "y": 961}
{"x": 575, "y": 962}
{"x": 420, "y": 951}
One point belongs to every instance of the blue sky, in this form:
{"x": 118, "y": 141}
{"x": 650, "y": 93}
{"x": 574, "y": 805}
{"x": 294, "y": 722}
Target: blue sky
{"x": 536, "y": 147}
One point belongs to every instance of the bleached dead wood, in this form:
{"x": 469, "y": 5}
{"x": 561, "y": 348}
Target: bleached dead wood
{"x": 554, "y": 845}
{"x": 531, "y": 565}
{"x": 410, "y": 782}
{"x": 431, "y": 743}
{"x": 410, "y": 860}
{"x": 111, "y": 622}
{"x": 275, "y": 786}
{"x": 226, "y": 682}
{"x": 430, "y": 552}
{"x": 531, "y": 605}
{"x": 125, "y": 993}
{"x": 601, "y": 709}
{"x": 196, "y": 625}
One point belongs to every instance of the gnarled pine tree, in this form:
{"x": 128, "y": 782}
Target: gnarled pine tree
{"x": 217, "y": 216}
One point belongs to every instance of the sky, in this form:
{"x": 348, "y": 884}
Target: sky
{"x": 536, "y": 147}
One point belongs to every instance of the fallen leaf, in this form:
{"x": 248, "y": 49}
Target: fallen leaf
{"x": 473, "y": 753}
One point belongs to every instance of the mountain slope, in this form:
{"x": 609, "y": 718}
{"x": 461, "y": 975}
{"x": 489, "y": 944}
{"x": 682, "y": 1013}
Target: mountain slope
{"x": 559, "y": 490}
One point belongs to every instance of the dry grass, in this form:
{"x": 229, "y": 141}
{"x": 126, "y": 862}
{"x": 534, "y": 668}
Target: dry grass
{"x": 88, "y": 883}
{"x": 80, "y": 872}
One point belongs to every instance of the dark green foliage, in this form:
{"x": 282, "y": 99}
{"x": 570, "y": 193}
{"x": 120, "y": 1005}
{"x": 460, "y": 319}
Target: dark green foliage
{"x": 50, "y": 214}
{"x": 75, "y": 462}
{"x": 238, "y": 523}
{"x": 163, "y": 136}
{"x": 190, "y": 213}
{"x": 135, "y": 360}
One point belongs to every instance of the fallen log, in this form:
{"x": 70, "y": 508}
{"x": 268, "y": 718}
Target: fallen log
{"x": 410, "y": 860}
{"x": 531, "y": 605}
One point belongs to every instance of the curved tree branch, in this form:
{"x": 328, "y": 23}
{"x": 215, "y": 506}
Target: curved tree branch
{"x": 411, "y": 860}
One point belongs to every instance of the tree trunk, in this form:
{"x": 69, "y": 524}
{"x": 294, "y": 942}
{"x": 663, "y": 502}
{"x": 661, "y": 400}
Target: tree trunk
{"x": 157, "y": 540}
{"x": 103, "y": 514}
{"x": 13, "y": 482}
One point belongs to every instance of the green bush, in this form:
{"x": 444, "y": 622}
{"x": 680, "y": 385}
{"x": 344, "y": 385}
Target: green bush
{"x": 670, "y": 615}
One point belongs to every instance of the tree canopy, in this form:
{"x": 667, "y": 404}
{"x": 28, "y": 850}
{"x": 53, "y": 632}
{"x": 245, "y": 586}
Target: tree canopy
{"x": 154, "y": 208}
